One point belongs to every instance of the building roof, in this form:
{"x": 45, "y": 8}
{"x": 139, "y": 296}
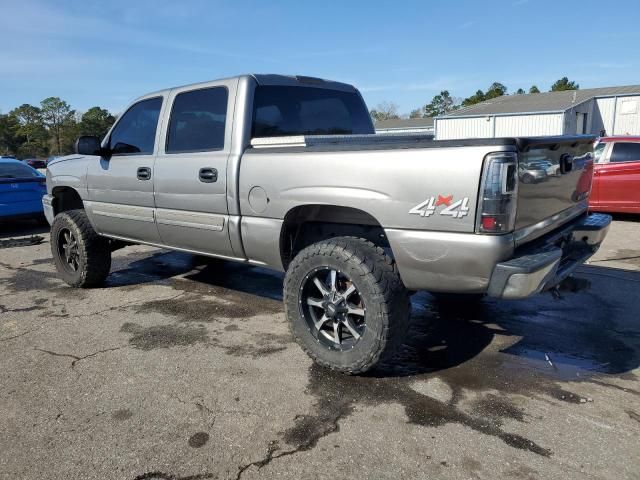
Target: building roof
{"x": 426, "y": 122}
{"x": 542, "y": 102}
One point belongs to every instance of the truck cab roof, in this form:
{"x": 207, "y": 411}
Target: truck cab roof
{"x": 268, "y": 79}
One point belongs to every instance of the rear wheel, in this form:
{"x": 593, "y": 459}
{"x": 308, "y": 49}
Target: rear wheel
{"x": 82, "y": 257}
{"x": 346, "y": 304}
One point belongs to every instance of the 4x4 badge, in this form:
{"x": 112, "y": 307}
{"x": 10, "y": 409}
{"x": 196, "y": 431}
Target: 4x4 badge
{"x": 457, "y": 209}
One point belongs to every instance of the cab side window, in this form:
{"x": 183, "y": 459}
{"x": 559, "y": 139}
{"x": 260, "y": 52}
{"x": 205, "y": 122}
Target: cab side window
{"x": 135, "y": 133}
{"x": 198, "y": 121}
{"x": 625, "y": 152}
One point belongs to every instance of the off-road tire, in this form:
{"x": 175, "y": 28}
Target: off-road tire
{"x": 384, "y": 295}
{"x": 94, "y": 251}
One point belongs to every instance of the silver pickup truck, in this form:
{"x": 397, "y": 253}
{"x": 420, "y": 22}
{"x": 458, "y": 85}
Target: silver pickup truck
{"x": 287, "y": 173}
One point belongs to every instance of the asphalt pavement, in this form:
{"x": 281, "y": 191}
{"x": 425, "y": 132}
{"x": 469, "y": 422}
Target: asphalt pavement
{"x": 183, "y": 368}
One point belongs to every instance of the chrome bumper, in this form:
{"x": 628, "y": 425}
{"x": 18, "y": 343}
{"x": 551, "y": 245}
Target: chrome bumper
{"x": 47, "y": 204}
{"x": 546, "y": 265}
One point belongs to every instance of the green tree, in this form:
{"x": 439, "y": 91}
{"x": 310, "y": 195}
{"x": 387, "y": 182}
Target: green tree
{"x": 440, "y": 104}
{"x": 534, "y": 89}
{"x": 59, "y": 119}
{"x": 520, "y": 92}
{"x": 96, "y": 121}
{"x": 473, "y": 99}
{"x": 495, "y": 90}
{"x": 564, "y": 84}
{"x": 384, "y": 111}
{"x": 9, "y": 139}
{"x": 417, "y": 113}
{"x": 31, "y": 131}
{"x": 70, "y": 133}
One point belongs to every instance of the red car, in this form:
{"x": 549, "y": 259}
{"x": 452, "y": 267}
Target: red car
{"x": 616, "y": 176}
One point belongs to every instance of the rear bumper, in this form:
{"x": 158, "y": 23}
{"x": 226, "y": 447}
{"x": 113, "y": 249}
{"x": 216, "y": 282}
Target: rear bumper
{"x": 47, "y": 204}
{"x": 545, "y": 265}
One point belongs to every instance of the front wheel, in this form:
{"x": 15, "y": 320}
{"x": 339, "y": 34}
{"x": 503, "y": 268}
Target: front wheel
{"x": 346, "y": 304}
{"x": 82, "y": 257}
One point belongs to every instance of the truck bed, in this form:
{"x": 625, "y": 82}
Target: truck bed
{"x": 381, "y": 141}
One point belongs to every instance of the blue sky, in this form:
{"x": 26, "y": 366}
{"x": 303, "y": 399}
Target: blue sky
{"x": 108, "y": 52}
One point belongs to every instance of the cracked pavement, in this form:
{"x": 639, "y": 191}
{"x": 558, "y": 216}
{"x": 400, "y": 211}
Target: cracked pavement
{"x": 182, "y": 368}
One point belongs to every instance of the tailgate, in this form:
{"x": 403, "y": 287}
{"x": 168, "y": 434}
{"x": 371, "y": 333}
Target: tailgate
{"x": 554, "y": 182}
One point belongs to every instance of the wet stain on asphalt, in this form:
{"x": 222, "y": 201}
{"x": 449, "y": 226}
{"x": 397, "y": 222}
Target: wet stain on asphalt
{"x": 633, "y": 415}
{"x": 252, "y": 350}
{"x": 496, "y": 408}
{"x": 42, "y": 261}
{"x": 546, "y": 342}
{"x": 239, "y": 279}
{"x": 170, "y": 476}
{"x": 337, "y": 395}
{"x": 196, "y": 307}
{"x": 25, "y": 279}
{"x": 260, "y": 346}
{"x": 21, "y": 242}
{"x": 4, "y": 309}
{"x": 484, "y": 354}
{"x": 137, "y": 268}
{"x": 122, "y": 414}
{"x": 198, "y": 440}
{"x": 213, "y": 289}
{"x": 580, "y": 341}
{"x": 164, "y": 336}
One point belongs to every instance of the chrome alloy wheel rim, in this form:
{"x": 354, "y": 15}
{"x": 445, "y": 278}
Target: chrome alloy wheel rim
{"x": 68, "y": 250}
{"x": 333, "y": 308}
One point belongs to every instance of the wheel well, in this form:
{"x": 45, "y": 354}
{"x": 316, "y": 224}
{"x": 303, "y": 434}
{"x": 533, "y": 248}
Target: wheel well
{"x": 66, "y": 198}
{"x": 308, "y": 224}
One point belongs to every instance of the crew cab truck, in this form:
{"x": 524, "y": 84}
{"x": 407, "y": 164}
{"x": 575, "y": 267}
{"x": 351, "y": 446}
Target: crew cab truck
{"x": 287, "y": 173}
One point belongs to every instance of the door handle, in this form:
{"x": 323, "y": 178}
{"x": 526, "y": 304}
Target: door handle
{"x": 144, "y": 173}
{"x": 208, "y": 175}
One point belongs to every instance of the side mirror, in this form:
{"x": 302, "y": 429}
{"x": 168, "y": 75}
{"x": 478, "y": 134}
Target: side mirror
{"x": 88, "y": 145}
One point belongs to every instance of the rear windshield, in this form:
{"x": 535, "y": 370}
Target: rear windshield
{"x": 285, "y": 110}
{"x": 17, "y": 170}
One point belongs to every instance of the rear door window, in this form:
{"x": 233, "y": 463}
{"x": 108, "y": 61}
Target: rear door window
{"x": 198, "y": 121}
{"x": 135, "y": 133}
{"x": 287, "y": 110}
{"x": 625, "y": 152}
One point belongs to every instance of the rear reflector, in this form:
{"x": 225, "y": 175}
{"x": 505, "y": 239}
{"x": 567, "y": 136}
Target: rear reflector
{"x": 489, "y": 224}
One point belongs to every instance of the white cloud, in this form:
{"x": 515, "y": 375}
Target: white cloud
{"x": 19, "y": 18}
{"x": 610, "y": 65}
{"x": 435, "y": 85}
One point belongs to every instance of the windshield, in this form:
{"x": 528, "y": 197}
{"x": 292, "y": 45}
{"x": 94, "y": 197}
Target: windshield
{"x": 285, "y": 110}
{"x": 17, "y": 170}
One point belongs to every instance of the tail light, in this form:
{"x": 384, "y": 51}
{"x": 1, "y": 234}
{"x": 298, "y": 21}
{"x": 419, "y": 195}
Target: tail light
{"x": 498, "y": 193}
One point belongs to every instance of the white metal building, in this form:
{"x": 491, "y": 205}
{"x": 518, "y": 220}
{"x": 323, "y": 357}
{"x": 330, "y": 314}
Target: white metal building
{"x": 614, "y": 110}
{"x": 406, "y": 125}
